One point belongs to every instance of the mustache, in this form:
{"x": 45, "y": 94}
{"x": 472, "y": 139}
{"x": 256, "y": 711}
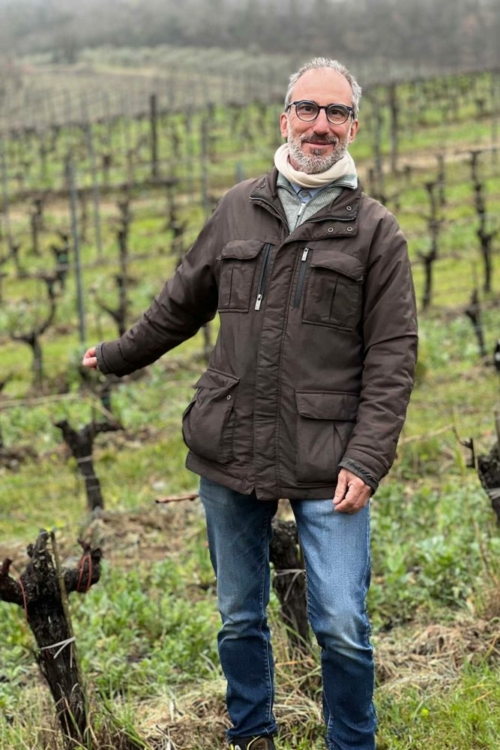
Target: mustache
{"x": 327, "y": 140}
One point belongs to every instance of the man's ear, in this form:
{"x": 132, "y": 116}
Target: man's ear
{"x": 284, "y": 125}
{"x": 354, "y": 130}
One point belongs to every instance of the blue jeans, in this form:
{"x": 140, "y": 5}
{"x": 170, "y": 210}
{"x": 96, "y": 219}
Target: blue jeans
{"x": 336, "y": 549}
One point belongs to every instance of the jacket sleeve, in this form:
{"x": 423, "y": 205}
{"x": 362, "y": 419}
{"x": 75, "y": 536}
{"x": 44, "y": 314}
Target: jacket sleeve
{"x": 186, "y": 302}
{"x": 390, "y": 350}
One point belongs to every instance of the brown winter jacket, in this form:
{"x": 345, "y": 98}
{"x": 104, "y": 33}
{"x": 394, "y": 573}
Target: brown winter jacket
{"x": 314, "y": 361}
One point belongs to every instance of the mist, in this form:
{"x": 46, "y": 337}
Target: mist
{"x": 449, "y": 34}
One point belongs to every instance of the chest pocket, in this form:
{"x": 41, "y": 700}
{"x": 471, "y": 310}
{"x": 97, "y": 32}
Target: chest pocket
{"x": 333, "y": 295}
{"x": 239, "y": 264}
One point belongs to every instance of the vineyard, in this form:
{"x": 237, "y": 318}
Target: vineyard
{"x": 101, "y": 196}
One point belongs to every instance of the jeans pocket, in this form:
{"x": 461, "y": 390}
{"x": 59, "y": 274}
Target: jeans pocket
{"x": 325, "y": 421}
{"x": 208, "y": 421}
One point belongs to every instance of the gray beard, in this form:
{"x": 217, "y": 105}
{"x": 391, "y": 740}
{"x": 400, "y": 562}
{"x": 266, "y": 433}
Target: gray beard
{"x": 315, "y": 163}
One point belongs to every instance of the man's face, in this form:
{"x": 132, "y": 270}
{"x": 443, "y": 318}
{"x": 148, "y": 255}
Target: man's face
{"x": 316, "y": 146}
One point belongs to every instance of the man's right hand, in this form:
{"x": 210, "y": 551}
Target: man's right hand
{"x": 89, "y": 359}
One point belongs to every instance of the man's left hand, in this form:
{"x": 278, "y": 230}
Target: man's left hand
{"x": 351, "y": 494}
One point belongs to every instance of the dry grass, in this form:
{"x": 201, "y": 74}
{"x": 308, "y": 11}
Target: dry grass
{"x": 428, "y": 657}
{"x": 434, "y": 655}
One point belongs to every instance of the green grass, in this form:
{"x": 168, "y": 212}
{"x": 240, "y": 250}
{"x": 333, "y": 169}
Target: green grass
{"x": 146, "y": 634}
{"x": 464, "y": 715}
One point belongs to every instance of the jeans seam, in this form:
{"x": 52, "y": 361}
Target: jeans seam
{"x": 367, "y": 572}
{"x": 329, "y": 723}
{"x": 269, "y": 705}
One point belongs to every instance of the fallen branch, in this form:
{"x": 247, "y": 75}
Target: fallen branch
{"x": 426, "y": 435}
{"x": 176, "y": 498}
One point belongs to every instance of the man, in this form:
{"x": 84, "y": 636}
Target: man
{"x": 304, "y": 397}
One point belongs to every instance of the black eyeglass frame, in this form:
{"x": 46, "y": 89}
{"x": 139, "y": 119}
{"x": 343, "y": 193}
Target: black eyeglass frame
{"x": 326, "y": 107}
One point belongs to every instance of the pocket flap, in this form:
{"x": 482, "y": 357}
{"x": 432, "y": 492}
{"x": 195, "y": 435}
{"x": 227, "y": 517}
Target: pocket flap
{"x": 214, "y": 379}
{"x": 324, "y": 405}
{"x": 338, "y": 262}
{"x": 241, "y": 249}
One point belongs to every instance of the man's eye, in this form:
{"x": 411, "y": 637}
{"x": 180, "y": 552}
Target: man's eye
{"x": 336, "y": 111}
{"x": 307, "y": 108}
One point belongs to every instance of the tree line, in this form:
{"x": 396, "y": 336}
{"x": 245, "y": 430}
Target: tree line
{"x": 451, "y": 33}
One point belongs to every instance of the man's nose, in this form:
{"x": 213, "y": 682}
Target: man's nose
{"x": 321, "y": 124}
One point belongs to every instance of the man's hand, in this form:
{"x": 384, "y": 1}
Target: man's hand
{"x": 89, "y": 359}
{"x": 351, "y": 494}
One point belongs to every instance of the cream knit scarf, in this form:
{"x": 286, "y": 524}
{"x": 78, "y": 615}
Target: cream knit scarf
{"x": 344, "y": 166}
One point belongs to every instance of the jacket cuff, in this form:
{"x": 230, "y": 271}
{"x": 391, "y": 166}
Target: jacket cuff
{"x": 360, "y": 471}
{"x": 100, "y": 360}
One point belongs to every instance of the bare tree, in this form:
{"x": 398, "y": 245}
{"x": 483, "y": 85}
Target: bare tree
{"x": 473, "y": 312}
{"x": 81, "y": 445}
{"x": 42, "y": 591}
{"x": 434, "y": 224}
{"x": 119, "y": 313}
{"x": 33, "y": 337}
{"x": 485, "y": 236}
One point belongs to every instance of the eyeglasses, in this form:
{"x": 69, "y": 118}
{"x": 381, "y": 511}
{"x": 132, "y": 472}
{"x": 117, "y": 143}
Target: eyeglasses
{"x": 308, "y": 111}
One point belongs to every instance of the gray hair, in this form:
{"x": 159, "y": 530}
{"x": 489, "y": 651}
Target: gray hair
{"x": 324, "y": 62}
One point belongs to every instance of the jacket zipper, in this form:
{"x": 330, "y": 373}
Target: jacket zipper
{"x": 299, "y": 214}
{"x": 261, "y": 289}
{"x": 302, "y": 275}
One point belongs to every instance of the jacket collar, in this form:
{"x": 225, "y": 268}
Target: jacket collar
{"x": 344, "y": 208}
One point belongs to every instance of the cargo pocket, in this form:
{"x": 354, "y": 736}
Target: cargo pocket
{"x": 325, "y": 422}
{"x": 239, "y": 261}
{"x": 208, "y": 421}
{"x": 333, "y": 290}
